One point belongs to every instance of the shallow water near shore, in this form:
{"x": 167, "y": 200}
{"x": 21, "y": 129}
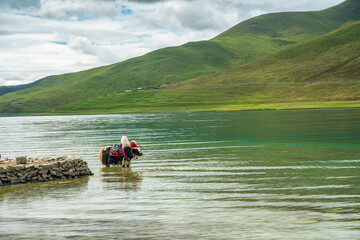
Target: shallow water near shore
{"x": 214, "y": 175}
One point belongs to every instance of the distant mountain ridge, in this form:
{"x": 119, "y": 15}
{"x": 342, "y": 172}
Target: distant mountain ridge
{"x": 246, "y": 42}
{"x": 14, "y": 88}
{"x": 298, "y": 25}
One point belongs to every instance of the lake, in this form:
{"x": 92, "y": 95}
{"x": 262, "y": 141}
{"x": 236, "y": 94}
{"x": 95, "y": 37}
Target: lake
{"x": 211, "y": 175}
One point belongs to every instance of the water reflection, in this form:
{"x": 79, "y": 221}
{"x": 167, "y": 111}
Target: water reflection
{"x": 59, "y": 189}
{"x": 118, "y": 178}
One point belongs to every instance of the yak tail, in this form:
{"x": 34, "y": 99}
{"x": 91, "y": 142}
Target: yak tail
{"x": 101, "y": 157}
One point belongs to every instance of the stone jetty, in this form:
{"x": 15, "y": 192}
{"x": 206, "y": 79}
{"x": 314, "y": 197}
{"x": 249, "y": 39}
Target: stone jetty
{"x": 24, "y": 170}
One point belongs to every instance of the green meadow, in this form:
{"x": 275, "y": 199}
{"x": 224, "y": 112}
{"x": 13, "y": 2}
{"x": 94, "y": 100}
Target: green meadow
{"x": 274, "y": 61}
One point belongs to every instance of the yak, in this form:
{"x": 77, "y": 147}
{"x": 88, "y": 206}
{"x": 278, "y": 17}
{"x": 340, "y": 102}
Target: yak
{"x": 122, "y": 153}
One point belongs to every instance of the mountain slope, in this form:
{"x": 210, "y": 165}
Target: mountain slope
{"x": 322, "y": 72}
{"x": 246, "y": 42}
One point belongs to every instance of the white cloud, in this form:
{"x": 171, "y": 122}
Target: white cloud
{"x": 45, "y": 37}
{"x": 75, "y": 9}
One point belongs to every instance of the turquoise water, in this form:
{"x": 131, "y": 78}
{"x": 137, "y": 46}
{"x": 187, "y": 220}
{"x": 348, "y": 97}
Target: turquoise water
{"x": 218, "y": 175}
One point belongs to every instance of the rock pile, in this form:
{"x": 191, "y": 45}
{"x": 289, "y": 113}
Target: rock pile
{"x": 41, "y": 170}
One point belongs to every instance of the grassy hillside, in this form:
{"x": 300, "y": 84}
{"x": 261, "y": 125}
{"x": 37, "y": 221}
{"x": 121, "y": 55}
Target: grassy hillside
{"x": 321, "y": 73}
{"x": 246, "y": 42}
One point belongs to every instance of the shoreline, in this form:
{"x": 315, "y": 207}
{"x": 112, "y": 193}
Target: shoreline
{"x": 218, "y": 108}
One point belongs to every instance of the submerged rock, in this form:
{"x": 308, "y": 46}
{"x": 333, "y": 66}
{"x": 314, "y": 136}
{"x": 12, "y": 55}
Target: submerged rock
{"x": 306, "y": 221}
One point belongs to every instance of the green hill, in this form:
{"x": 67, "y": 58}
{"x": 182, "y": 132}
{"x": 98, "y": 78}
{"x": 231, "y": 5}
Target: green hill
{"x": 248, "y": 41}
{"x": 320, "y": 73}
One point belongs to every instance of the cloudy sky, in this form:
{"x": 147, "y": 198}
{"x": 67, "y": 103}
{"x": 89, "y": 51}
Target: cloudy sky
{"x": 46, "y": 37}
